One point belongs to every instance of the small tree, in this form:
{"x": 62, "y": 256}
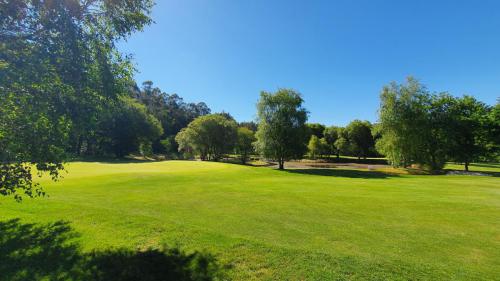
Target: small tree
{"x": 314, "y": 147}
{"x": 281, "y": 133}
{"x": 244, "y": 143}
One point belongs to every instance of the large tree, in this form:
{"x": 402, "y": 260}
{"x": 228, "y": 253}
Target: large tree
{"x": 58, "y": 67}
{"x": 209, "y": 136}
{"x": 468, "y": 129}
{"x": 281, "y": 133}
{"x": 403, "y": 117}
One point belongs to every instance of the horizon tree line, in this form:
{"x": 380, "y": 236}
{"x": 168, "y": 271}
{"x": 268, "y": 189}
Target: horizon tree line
{"x": 66, "y": 91}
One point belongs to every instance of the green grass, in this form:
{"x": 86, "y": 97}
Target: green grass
{"x": 265, "y": 224}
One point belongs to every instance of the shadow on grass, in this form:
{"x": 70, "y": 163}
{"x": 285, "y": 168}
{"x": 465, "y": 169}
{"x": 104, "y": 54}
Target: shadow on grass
{"x": 48, "y": 252}
{"x": 342, "y": 173}
{"x": 111, "y": 160}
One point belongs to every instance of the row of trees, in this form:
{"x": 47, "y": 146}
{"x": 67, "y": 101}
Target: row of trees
{"x": 415, "y": 127}
{"x": 356, "y": 139}
{"x": 419, "y": 127}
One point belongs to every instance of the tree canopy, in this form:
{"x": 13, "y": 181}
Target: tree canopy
{"x": 58, "y": 65}
{"x": 209, "y": 136}
{"x": 281, "y": 133}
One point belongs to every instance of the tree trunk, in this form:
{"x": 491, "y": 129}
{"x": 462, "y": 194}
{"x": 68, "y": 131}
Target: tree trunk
{"x": 466, "y": 166}
{"x": 281, "y": 164}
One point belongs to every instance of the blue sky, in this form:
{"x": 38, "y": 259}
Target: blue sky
{"x": 338, "y": 54}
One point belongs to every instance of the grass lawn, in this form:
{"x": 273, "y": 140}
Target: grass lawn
{"x": 265, "y": 224}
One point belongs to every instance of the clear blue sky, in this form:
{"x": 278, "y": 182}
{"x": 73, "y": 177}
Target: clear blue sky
{"x": 338, "y": 54}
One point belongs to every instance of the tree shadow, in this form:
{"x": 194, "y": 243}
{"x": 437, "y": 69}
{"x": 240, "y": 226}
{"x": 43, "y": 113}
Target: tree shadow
{"x": 110, "y": 160}
{"x": 49, "y": 252}
{"x": 344, "y": 173}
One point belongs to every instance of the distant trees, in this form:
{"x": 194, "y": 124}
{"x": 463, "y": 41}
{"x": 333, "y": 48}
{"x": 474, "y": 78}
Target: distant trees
{"x": 128, "y": 128}
{"x": 331, "y": 136}
{"x": 209, "y": 136}
{"x": 281, "y": 133}
{"x": 360, "y": 139}
{"x": 244, "y": 143}
{"x": 429, "y": 129}
{"x": 171, "y": 110}
{"x": 317, "y": 147}
{"x": 315, "y": 129}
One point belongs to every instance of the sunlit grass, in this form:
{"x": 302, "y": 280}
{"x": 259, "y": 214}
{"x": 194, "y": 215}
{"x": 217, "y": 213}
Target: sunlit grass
{"x": 267, "y": 224}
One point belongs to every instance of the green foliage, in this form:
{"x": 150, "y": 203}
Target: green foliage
{"x": 360, "y": 138}
{"x": 59, "y": 68}
{"x": 430, "y": 129}
{"x": 468, "y": 130}
{"x": 315, "y": 129}
{"x": 244, "y": 143}
{"x": 317, "y": 147}
{"x": 281, "y": 133}
{"x": 209, "y": 136}
{"x": 331, "y": 136}
{"x": 404, "y": 116}
{"x": 171, "y": 110}
{"x": 128, "y": 128}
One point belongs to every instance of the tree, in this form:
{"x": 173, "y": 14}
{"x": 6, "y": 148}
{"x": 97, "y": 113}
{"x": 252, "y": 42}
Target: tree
{"x": 244, "y": 143}
{"x": 129, "y": 128}
{"x": 59, "y": 66}
{"x": 360, "y": 138}
{"x": 429, "y": 129}
{"x": 331, "y": 136}
{"x": 281, "y": 133}
{"x": 468, "y": 130}
{"x": 250, "y": 125}
{"x": 171, "y": 110}
{"x": 315, "y": 129}
{"x": 403, "y": 118}
{"x": 493, "y": 133}
{"x": 317, "y": 147}
{"x": 210, "y": 136}
{"x": 342, "y": 143}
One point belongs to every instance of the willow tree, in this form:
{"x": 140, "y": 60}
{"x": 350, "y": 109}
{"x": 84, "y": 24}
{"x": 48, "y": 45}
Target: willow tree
{"x": 282, "y": 133}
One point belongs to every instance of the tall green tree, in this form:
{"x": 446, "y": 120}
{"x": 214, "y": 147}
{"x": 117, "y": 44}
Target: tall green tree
{"x": 58, "y": 68}
{"x": 468, "y": 130}
{"x": 281, "y": 133}
{"x": 403, "y": 119}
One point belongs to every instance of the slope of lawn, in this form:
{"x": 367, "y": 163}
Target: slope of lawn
{"x": 265, "y": 224}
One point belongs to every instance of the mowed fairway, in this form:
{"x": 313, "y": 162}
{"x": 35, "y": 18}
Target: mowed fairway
{"x": 266, "y": 224}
